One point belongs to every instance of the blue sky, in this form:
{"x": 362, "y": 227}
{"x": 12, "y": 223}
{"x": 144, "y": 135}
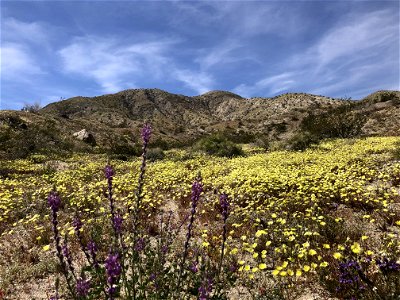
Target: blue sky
{"x": 54, "y": 49}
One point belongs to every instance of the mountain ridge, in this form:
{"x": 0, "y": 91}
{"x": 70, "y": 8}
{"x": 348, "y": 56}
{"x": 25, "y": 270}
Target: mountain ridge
{"x": 179, "y": 119}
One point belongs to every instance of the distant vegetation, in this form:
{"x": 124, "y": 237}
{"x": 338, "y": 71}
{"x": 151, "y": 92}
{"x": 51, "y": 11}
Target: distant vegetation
{"x": 218, "y": 145}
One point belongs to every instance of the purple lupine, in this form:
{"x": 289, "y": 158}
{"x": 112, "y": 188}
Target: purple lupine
{"x": 197, "y": 189}
{"x": 146, "y": 133}
{"x": 139, "y": 245}
{"x": 67, "y": 256}
{"x": 223, "y": 200}
{"x": 82, "y": 287}
{"x": 194, "y": 267}
{"x": 387, "y": 266}
{"x": 109, "y": 173}
{"x": 113, "y": 271}
{"x": 164, "y": 249}
{"x": 205, "y": 289}
{"x": 352, "y": 277}
{"x": 117, "y": 223}
{"x": 54, "y": 202}
{"x": 77, "y": 224}
{"x": 92, "y": 248}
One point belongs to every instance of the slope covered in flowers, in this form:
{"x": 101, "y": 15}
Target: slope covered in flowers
{"x": 321, "y": 215}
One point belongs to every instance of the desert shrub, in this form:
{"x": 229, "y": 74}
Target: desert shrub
{"x": 122, "y": 146}
{"x": 263, "y": 142}
{"x": 32, "y": 108}
{"x": 396, "y": 152}
{"x": 340, "y": 122}
{"x": 18, "y": 140}
{"x": 300, "y": 141}
{"x": 160, "y": 143}
{"x": 155, "y": 154}
{"x": 219, "y": 146}
{"x": 239, "y": 137}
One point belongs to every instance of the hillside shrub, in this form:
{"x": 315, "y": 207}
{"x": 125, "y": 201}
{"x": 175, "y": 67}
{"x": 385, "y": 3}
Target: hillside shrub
{"x": 300, "y": 141}
{"x": 218, "y": 145}
{"x": 155, "y": 154}
{"x": 19, "y": 140}
{"x": 340, "y": 122}
{"x": 32, "y": 108}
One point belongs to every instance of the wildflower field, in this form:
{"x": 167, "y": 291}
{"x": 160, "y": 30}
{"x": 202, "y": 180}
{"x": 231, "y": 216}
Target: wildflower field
{"x": 268, "y": 225}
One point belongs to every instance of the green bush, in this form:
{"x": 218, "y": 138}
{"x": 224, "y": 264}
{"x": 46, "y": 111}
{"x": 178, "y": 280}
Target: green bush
{"x": 219, "y": 146}
{"x": 340, "y": 122}
{"x": 301, "y": 141}
{"x": 154, "y": 154}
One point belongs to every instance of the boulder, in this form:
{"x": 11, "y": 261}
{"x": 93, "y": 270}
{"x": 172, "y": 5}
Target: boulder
{"x": 82, "y": 135}
{"x": 85, "y": 136}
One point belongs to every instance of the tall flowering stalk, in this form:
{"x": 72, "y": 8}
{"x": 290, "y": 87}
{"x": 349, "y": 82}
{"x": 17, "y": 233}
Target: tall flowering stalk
{"x": 77, "y": 224}
{"x": 146, "y": 133}
{"x": 197, "y": 189}
{"x": 67, "y": 256}
{"x": 113, "y": 271}
{"x": 205, "y": 289}
{"x": 109, "y": 173}
{"x": 223, "y": 200}
{"x": 54, "y": 202}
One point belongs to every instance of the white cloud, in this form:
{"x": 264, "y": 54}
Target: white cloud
{"x": 357, "y": 37}
{"x": 17, "y": 62}
{"x": 352, "y": 53}
{"x": 273, "y": 84}
{"x": 241, "y": 19}
{"x": 113, "y": 64}
{"x": 14, "y": 30}
{"x": 200, "y": 82}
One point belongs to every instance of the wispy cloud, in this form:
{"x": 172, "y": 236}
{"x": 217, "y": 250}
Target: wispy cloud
{"x": 360, "y": 37}
{"x": 350, "y": 54}
{"x": 17, "y": 62}
{"x": 113, "y": 64}
{"x": 270, "y": 84}
{"x": 14, "y": 30}
{"x": 200, "y": 82}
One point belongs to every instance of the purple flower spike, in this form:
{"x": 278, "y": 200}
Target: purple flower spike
{"x": 112, "y": 266}
{"x": 205, "y": 290}
{"x": 113, "y": 270}
{"x": 146, "y": 132}
{"x": 194, "y": 268}
{"x": 197, "y": 188}
{"x": 223, "y": 201}
{"x": 117, "y": 223}
{"x": 54, "y": 201}
{"x": 387, "y": 266}
{"x": 82, "y": 287}
{"x": 77, "y": 224}
{"x": 139, "y": 246}
{"x": 92, "y": 247}
{"x": 109, "y": 172}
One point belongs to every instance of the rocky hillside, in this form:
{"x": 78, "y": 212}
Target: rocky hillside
{"x": 113, "y": 121}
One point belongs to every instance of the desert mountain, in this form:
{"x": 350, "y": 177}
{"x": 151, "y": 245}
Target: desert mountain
{"x": 177, "y": 119}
